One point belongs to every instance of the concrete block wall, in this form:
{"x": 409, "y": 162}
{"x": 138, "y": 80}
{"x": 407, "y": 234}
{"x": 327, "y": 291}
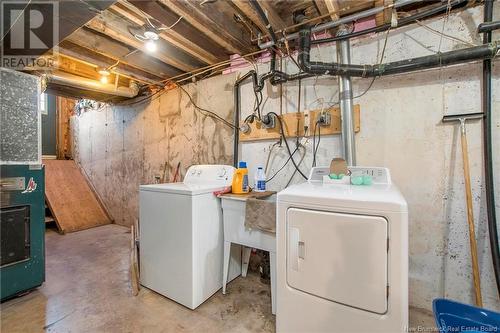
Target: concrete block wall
{"x": 122, "y": 147}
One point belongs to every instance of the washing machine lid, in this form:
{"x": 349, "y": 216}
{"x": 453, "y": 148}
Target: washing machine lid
{"x": 183, "y": 188}
{"x": 199, "y": 179}
{"x": 375, "y": 197}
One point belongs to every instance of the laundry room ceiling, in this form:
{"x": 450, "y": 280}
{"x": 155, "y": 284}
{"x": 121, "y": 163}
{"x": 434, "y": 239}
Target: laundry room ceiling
{"x": 192, "y": 39}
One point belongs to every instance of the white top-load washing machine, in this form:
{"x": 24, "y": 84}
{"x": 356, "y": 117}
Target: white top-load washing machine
{"x": 181, "y": 236}
{"x": 342, "y": 256}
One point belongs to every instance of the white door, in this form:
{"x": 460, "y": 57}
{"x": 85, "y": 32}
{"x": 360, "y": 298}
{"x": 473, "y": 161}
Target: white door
{"x": 338, "y": 257}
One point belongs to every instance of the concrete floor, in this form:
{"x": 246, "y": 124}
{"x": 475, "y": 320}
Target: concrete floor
{"x": 87, "y": 289}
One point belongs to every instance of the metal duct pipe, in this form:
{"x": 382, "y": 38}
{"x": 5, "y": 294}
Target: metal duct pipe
{"x": 343, "y": 20}
{"x": 346, "y": 107}
{"x": 65, "y": 79}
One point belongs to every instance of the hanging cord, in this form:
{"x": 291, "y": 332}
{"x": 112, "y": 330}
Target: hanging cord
{"x": 380, "y": 62}
{"x": 315, "y": 147}
{"x": 269, "y": 154}
{"x": 206, "y": 112}
{"x": 283, "y": 166}
{"x": 300, "y": 162}
{"x": 282, "y": 127}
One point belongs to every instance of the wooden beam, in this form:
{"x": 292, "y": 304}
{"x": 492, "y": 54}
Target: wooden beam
{"x": 212, "y": 22}
{"x": 111, "y": 25}
{"x": 64, "y": 110}
{"x": 247, "y": 9}
{"x": 353, "y": 6}
{"x": 167, "y": 17}
{"x": 72, "y": 14}
{"x": 135, "y": 15}
{"x": 385, "y": 16}
{"x": 103, "y": 45}
{"x": 272, "y": 15}
{"x": 321, "y": 6}
{"x": 78, "y": 53}
{"x": 333, "y": 6}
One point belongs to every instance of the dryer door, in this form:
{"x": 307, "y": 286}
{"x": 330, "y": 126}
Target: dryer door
{"x": 339, "y": 257}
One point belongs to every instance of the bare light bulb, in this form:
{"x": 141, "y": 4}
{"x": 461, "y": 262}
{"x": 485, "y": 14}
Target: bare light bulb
{"x": 104, "y": 79}
{"x": 150, "y": 45}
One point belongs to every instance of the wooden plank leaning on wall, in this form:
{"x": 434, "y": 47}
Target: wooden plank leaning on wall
{"x": 64, "y": 111}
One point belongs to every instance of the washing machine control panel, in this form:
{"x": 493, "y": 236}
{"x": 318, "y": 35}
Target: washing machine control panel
{"x": 210, "y": 173}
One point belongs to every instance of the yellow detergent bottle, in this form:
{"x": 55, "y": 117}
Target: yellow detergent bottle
{"x": 240, "y": 179}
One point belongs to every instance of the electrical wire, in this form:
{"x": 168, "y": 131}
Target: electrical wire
{"x": 283, "y": 166}
{"x": 201, "y": 70}
{"x": 269, "y": 154}
{"x": 172, "y": 25}
{"x": 300, "y": 162}
{"x": 315, "y": 147}
{"x": 442, "y": 34}
{"x": 150, "y": 96}
{"x": 286, "y": 144}
{"x": 380, "y": 62}
{"x": 203, "y": 111}
{"x": 207, "y": 112}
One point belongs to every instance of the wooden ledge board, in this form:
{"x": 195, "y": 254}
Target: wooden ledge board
{"x": 245, "y": 196}
{"x": 294, "y": 121}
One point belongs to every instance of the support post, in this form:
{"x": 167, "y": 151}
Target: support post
{"x": 346, "y": 105}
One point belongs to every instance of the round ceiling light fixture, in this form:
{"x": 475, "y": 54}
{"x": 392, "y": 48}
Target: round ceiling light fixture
{"x": 151, "y": 35}
{"x": 150, "y": 38}
{"x": 150, "y": 45}
{"x": 104, "y": 73}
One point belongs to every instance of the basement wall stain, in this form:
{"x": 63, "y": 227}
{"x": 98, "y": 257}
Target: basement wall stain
{"x": 122, "y": 147}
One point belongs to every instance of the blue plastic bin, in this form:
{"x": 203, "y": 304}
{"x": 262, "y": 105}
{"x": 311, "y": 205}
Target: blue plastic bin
{"x": 457, "y": 317}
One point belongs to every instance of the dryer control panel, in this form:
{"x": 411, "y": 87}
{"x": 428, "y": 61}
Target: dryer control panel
{"x": 379, "y": 175}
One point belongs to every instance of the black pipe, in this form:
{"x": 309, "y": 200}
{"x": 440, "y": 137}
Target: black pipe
{"x": 488, "y": 152}
{"x": 263, "y": 17}
{"x": 401, "y": 23}
{"x": 237, "y": 111}
{"x": 488, "y": 26}
{"x": 396, "y": 67}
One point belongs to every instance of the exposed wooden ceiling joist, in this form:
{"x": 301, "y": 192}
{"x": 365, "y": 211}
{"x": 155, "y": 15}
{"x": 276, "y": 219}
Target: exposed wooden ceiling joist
{"x": 385, "y": 16}
{"x": 111, "y": 25}
{"x": 247, "y": 9}
{"x": 272, "y": 15}
{"x": 134, "y": 14}
{"x": 351, "y": 6}
{"x": 321, "y": 6}
{"x": 214, "y": 21}
{"x": 182, "y": 29}
{"x": 79, "y": 53}
{"x": 202, "y": 34}
{"x": 103, "y": 45}
{"x": 73, "y": 14}
{"x": 333, "y": 7}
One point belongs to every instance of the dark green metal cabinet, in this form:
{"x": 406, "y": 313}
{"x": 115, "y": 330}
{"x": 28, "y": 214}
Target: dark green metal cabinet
{"x": 22, "y": 229}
